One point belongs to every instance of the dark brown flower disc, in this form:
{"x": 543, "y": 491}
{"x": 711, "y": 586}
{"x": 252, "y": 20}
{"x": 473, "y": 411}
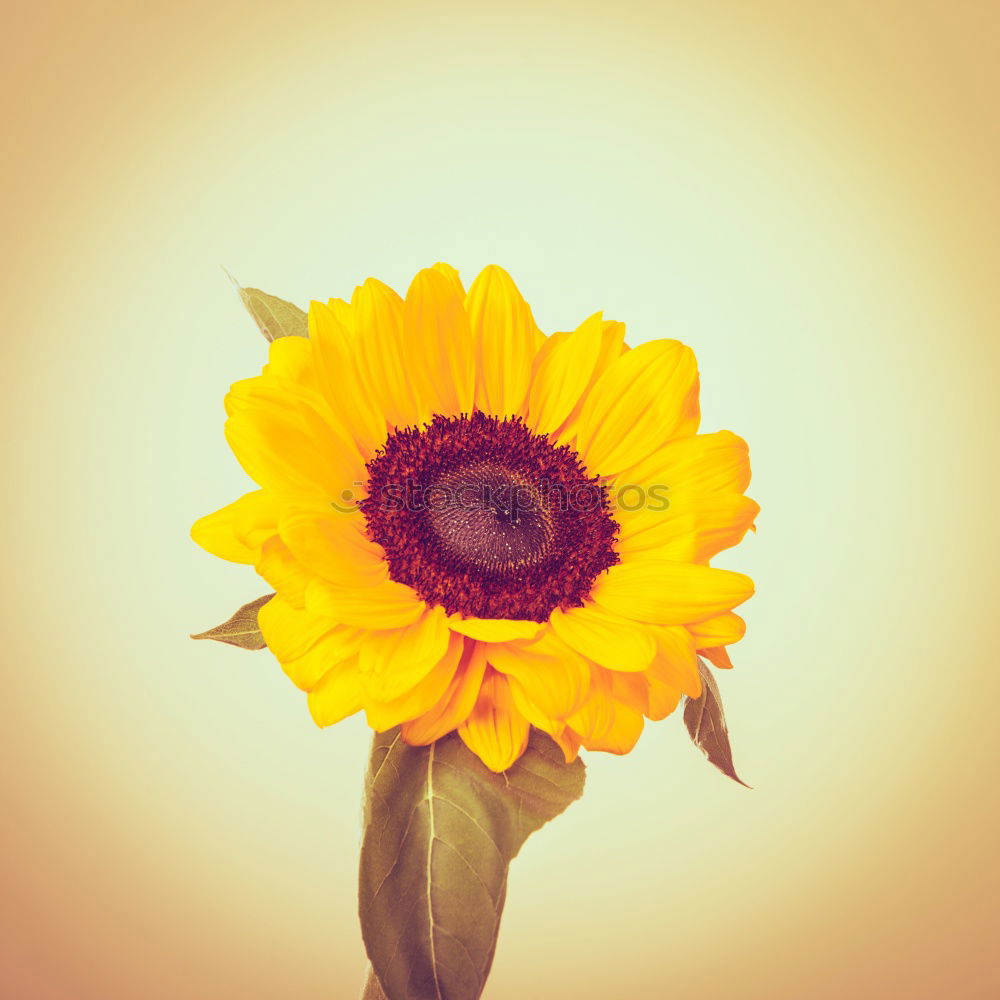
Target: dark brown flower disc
{"x": 486, "y": 518}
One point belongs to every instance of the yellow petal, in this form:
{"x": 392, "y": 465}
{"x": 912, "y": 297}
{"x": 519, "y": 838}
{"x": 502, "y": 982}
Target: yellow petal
{"x": 338, "y": 645}
{"x": 669, "y": 593}
{"x": 337, "y": 695}
{"x": 527, "y": 708}
{"x": 552, "y": 675}
{"x": 507, "y": 340}
{"x": 291, "y": 358}
{"x": 694, "y": 529}
{"x": 606, "y": 638}
{"x": 290, "y": 632}
{"x": 662, "y": 699}
{"x": 346, "y": 316}
{"x": 452, "y": 275}
{"x": 495, "y": 731}
{"x": 455, "y": 704}
{"x": 721, "y": 630}
{"x": 386, "y": 605}
{"x": 394, "y": 661}
{"x": 237, "y": 531}
{"x": 646, "y": 397}
{"x": 422, "y": 697}
{"x": 595, "y": 716}
{"x": 607, "y": 720}
{"x": 621, "y": 736}
{"x": 562, "y": 373}
{"x": 339, "y": 380}
{"x": 279, "y": 568}
{"x": 613, "y": 346}
{"x": 495, "y": 629}
{"x": 333, "y": 545}
{"x": 380, "y": 361}
{"x": 439, "y": 351}
{"x": 676, "y": 662}
{"x": 698, "y": 465}
{"x": 285, "y": 443}
{"x": 677, "y": 478}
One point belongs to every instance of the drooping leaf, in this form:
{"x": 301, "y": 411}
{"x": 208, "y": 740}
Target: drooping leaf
{"x": 706, "y": 722}
{"x": 242, "y": 629}
{"x": 274, "y": 317}
{"x": 440, "y": 832}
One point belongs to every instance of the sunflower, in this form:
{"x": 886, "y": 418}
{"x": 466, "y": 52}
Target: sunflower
{"x": 472, "y": 526}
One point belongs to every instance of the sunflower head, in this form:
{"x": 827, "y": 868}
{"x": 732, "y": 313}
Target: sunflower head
{"x": 470, "y": 525}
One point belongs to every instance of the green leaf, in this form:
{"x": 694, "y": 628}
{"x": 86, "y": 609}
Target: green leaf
{"x": 242, "y": 629}
{"x": 706, "y": 722}
{"x": 274, "y": 317}
{"x": 440, "y": 832}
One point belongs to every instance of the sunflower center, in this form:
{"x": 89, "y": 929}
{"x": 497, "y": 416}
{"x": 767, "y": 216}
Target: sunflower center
{"x": 487, "y": 519}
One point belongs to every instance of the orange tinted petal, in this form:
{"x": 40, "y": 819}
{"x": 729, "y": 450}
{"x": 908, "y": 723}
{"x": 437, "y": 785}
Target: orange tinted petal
{"x": 552, "y": 675}
{"x": 422, "y": 697}
{"x": 394, "y": 661}
{"x": 718, "y": 656}
{"x": 495, "y": 731}
{"x": 455, "y": 704}
{"x": 676, "y": 663}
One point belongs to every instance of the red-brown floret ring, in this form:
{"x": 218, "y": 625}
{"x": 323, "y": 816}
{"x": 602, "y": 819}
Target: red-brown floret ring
{"x": 488, "y": 519}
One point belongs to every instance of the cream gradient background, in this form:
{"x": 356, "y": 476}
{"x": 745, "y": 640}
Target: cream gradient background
{"x": 805, "y": 192}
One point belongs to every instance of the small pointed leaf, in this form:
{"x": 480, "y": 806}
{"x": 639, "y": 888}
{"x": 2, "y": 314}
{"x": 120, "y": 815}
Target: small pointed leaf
{"x": 440, "y": 832}
{"x": 706, "y": 722}
{"x": 274, "y": 317}
{"x": 242, "y": 629}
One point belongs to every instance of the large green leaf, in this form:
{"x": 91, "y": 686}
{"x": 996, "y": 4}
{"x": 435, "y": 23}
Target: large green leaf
{"x": 373, "y": 988}
{"x": 440, "y": 832}
{"x": 242, "y": 629}
{"x": 706, "y": 724}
